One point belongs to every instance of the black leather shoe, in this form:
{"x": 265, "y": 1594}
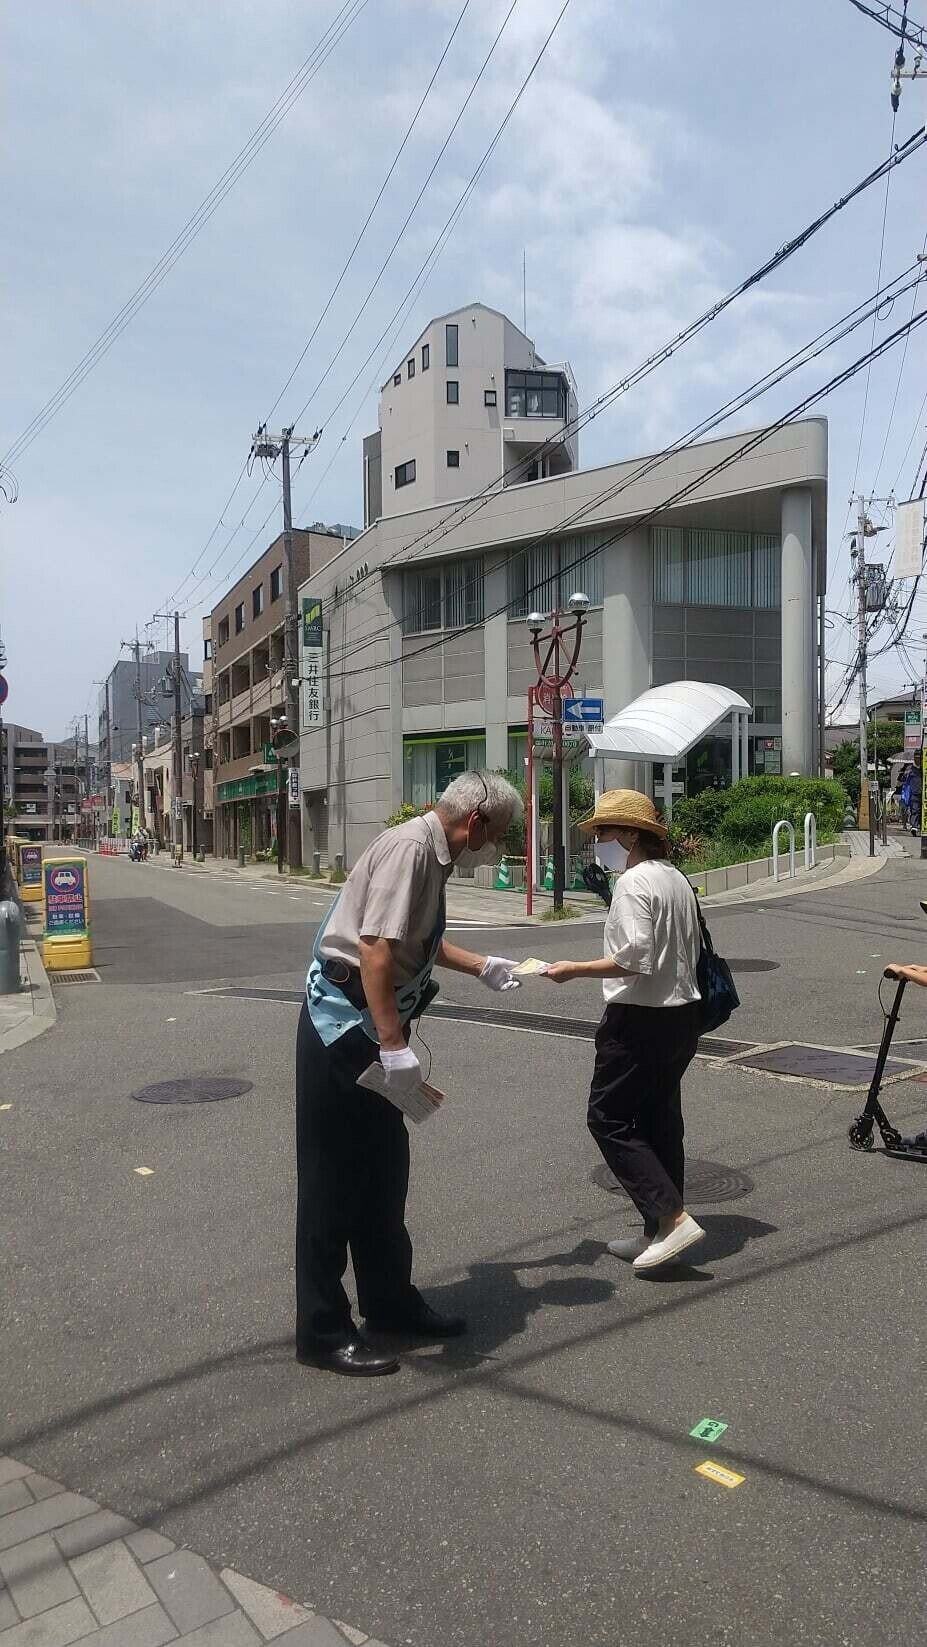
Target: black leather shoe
{"x": 421, "y": 1322}
{"x": 355, "y": 1360}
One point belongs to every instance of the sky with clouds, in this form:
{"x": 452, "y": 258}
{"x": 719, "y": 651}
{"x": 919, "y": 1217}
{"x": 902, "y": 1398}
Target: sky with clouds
{"x": 662, "y": 151}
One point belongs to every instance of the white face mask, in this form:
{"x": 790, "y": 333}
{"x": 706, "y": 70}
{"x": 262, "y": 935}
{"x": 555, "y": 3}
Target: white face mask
{"x": 612, "y": 855}
{"x": 469, "y": 858}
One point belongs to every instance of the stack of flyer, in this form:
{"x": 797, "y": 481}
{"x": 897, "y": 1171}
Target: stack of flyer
{"x": 418, "y": 1103}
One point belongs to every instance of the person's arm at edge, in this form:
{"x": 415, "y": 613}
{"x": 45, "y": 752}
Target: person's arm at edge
{"x": 564, "y": 972}
{"x": 459, "y": 960}
{"x": 376, "y": 970}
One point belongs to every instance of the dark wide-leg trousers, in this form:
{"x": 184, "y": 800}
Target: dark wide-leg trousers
{"x": 352, "y": 1162}
{"x": 635, "y": 1107}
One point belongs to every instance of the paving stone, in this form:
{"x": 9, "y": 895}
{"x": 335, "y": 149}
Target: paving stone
{"x": 147, "y": 1546}
{"x": 149, "y": 1628}
{"x": 11, "y": 1471}
{"x": 40, "y": 1486}
{"x": 8, "y": 1613}
{"x": 58, "y": 1628}
{"x": 189, "y": 1590}
{"x": 19, "y": 1525}
{"x": 270, "y": 1611}
{"x": 14, "y": 1495}
{"x": 89, "y": 1534}
{"x": 231, "y": 1631}
{"x": 112, "y": 1581}
{"x": 37, "y": 1576}
{"x": 357, "y": 1637}
{"x": 316, "y": 1632}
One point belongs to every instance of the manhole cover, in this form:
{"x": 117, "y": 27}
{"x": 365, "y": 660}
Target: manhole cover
{"x": 706, "y": 1182}
{"x": 829, "y": 1064}
{"x": 753, "y": 966}
{"x": 195, "y": 1090}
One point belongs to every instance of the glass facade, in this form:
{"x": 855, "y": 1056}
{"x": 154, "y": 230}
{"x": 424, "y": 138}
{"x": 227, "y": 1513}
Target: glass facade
{"x": 700, "y": 566}
{"x": 430, "y": 764}
{"x": 443, "y": 597}
{"x": 535, "y": 394}
{"x": 547, "y": 574}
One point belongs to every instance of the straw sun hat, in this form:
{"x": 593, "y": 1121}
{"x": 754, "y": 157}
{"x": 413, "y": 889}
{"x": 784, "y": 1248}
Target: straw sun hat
{"x": 625, "y": 809}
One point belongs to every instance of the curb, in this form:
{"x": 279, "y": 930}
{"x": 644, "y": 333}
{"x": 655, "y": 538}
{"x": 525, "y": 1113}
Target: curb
{"x": 44, "y": 1012}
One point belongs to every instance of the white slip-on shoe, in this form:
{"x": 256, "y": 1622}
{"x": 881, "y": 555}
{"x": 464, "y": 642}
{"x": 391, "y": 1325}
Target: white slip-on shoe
{"x": 666, "y": 1249}
{"x": 629, "y": 1247}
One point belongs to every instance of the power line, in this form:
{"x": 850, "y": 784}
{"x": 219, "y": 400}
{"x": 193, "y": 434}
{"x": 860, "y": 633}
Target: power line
{"x": 894, "y": 20}
{"x": 832, "y": 334}
{"x": 749, "y": 445}
{"x": 323, "y": 49}
{"x": 469, "y": 506}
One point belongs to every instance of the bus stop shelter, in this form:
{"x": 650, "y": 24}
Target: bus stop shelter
{"x": 661, "y": 726}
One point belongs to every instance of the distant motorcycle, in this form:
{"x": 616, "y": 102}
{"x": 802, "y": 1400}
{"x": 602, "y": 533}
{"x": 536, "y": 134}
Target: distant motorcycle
{"x": 135, "y": 852}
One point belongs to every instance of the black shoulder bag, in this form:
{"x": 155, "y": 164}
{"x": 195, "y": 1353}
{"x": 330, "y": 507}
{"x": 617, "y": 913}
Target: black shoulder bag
{"x": 715, "y": 983}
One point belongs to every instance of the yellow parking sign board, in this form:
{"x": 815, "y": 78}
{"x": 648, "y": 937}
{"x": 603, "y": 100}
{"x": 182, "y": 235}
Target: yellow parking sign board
{"x": 67, "y": 912}
{"x": 717, "y": 1472}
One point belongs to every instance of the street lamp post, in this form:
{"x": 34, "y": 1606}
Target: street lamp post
{"x": 556, "y": 667}
{"x": 280, "y": 737}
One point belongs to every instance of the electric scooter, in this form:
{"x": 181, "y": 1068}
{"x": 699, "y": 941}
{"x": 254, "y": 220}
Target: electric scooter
{"x": 861, "y": 1132}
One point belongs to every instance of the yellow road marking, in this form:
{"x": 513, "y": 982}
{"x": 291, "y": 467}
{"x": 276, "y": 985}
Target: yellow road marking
{"x": 717, "y": 1472}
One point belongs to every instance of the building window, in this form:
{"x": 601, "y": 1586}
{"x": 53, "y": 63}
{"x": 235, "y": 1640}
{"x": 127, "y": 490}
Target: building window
{"x": 276, "y": 583}
{"x": 239, "y": 617}
{"x": 404, "y": 474}
{"x": 257, "y": 601}
{"x": 207, "y": 649}
{"x": 397, "y": 378}
{"x": 489, "y": 397}
{"x": 429, "y": 765}
{"x": 450, "y": 346}
{"x": 453, "y": 460}
{"x": 535, "y": 394}
{"x": 207, "y": 704}
{"x": 223, "y": 634}
{"x": 443, "y": 597}
{"x": 699, "y": 566}
{"x": 410, "y": 368}
{"x": 453, "y": 392}
{"x": 426, "y": 356}
{"x": 547, "y": 575}
{"x": 208, "y": 759}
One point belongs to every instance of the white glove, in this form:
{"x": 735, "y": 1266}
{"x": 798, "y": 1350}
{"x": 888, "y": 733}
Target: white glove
{"x": 403, "y": 1070}
{"x": 497, "y": 973}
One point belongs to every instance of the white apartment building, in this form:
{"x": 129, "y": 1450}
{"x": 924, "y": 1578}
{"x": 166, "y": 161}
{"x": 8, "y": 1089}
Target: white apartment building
{"x": 468, "y": 404}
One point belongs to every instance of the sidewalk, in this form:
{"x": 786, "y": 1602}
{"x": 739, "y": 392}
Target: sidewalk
{"x": 24, "y": 1016}
{"x": 71, "y": 1571}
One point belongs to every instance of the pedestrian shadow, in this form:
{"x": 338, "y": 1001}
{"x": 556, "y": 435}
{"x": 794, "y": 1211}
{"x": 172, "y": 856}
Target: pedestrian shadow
{"x": 498, "y": 1305}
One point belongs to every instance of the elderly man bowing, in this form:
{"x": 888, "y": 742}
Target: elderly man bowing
{"x": 370, "y": 976}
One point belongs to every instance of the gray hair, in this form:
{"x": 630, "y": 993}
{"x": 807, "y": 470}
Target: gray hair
{"x": 486, "y": 792}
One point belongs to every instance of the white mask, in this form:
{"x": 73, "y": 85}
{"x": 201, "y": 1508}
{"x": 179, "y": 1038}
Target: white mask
{"x": 612, "y": 855}
{"x": 469, "y": 858}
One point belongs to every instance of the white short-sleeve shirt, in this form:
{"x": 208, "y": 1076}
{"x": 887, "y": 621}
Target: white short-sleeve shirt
{"x": 652, "y": 929}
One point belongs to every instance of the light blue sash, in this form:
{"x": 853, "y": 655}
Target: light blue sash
{"x": 331, "y": 1011}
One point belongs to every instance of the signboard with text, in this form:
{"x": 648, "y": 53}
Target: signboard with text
{"x": 65, "y": 898}
{"x": 312, "y": 622}
{"x": 313, "y": 692}
{"x": 30, "y": 864}
{"x": 913, "y": 731}
{"x": 294, "y": 786}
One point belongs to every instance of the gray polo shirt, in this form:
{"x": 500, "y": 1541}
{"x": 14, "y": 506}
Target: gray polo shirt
{"x": 394, "y": 891}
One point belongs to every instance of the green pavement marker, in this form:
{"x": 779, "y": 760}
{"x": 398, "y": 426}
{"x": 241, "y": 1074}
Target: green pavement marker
{"x": 708, "y": 1429}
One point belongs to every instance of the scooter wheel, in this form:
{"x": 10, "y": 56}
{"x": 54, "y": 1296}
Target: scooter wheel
{"x": 860, "y": 1135}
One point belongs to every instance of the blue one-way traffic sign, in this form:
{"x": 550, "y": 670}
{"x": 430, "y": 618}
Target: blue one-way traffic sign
{"x": 589, "y": 713}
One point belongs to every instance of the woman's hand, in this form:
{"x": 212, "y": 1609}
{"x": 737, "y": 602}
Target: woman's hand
{"x": 562, "y": 972}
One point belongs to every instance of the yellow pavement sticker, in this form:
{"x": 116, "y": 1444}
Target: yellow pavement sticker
{"x": 717, "y": 1472}
{"x": 170, "y": 1020}
{"x": 6, "y": 1106}
{"x": 145, "y": 1172}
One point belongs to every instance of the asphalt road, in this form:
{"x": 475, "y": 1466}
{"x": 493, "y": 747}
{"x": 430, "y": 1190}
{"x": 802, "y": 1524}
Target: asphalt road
{"x": 535, "y": 1482}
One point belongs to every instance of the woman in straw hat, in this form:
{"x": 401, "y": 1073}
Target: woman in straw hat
{"x": 649, "y": 1031}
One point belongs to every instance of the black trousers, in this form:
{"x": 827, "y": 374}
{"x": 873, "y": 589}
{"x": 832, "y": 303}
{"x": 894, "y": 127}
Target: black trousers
{"x": 352, "y": 1162}
{"x": 635, "y": 1108}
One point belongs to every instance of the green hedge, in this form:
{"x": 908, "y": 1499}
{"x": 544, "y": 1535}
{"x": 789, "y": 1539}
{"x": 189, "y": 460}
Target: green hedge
{"x": 743, "y": 817}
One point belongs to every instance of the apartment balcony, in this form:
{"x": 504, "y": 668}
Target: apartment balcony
{"x": 223, "y": 713}
{"x": 241, "y": 706}
{"x": 261, "y": 697}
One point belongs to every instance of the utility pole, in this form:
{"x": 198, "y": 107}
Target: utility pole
{"x": 135, "y": 648}
{"x": 271, "y": 447}
{"x": 555, "y": 672}
{"x": 91, "y": 814}
{"x": 863, "y": 819}
{"x": 177, "y": 745}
